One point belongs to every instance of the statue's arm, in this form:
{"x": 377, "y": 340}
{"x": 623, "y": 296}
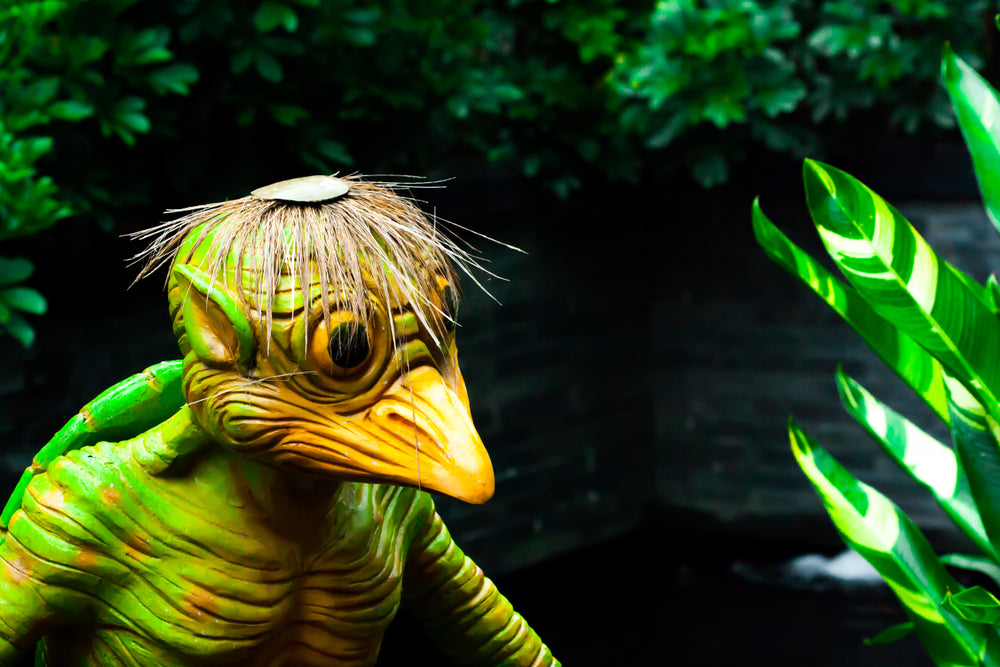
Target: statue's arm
{"x": 24, "y": 597}
{"x": 461, "y": 608}
{"x": 47, "y": 568}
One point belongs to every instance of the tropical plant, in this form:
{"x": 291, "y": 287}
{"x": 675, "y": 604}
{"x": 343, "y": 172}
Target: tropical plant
{"x": 939, "y": 330}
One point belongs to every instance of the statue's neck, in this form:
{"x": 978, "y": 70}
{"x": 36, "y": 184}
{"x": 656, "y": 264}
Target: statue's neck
{"x": 285, "y": 496}
{"x": 289, "y": 502}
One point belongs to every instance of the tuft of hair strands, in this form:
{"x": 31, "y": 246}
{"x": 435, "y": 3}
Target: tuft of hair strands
{"x": 370, "y": 239}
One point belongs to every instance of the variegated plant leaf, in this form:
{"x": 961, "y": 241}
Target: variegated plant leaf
{"x": 932, "y": 464}
{"x": 878, "y": 530}
{"x": 975, "y": 435}
{"x": 980, "y": 564}
{"x": 914, "y": 365}
{"x": 977, "y": 108}
{"x": 975, "y": 604}
{"x": 993, "y": 292}
{"x": 904, "y": 281}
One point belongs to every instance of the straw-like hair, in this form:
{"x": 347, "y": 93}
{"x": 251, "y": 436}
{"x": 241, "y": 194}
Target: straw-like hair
{"x": 370, "y": 238}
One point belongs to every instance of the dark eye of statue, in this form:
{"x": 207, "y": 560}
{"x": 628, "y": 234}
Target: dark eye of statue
{"x": 349, "y": 344}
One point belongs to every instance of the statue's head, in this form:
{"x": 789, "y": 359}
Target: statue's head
{"x": 317, "y": 321}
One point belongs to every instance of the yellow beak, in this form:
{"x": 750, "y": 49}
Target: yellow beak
{"x": 428, "y": 429}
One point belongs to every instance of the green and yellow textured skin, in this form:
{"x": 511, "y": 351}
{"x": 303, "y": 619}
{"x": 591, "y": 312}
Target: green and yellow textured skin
{"x": 229, "y": 564}
{"x": 274, "y": 510}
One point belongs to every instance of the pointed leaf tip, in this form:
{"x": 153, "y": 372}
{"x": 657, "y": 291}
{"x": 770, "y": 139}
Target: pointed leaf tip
{"x": 760, "y": 222}
{"x": 799, "y": 440}
{"x": 819, "y": 181}
{"x": 848, "y": 389}
{"x": 890, "y": 635}
{"x": 949, "y": 66}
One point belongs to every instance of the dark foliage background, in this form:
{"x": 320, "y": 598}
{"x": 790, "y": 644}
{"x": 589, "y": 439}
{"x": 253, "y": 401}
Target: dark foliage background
{"x": 112, "y": 109}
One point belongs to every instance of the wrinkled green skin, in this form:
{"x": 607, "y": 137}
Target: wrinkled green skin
{"x": 116, "y": 565}
{"x": 164, "y": 549}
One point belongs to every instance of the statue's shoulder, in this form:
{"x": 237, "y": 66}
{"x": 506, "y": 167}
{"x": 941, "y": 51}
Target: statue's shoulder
{"x": 121, "y": 411}
{"x": 84, "y": 485}
{"x": 71, "y": 518}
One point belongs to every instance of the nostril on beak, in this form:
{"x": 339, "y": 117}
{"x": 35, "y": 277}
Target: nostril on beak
{"x": 406, "y": 425}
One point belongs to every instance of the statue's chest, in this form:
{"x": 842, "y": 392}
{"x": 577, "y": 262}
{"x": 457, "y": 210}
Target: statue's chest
{"x": 214, "y": 576}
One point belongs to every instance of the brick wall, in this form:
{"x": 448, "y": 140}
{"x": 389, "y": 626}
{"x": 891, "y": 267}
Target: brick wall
{"x": 646, "y": 357}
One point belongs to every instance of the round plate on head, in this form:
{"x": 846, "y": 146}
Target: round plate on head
{"x": 305, "y": 189}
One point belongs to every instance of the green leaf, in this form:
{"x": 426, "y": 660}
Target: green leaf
{"x": 667, "y": 132}
{"x": 891, "y": 635}
{"x": 881, "y": 533}
{"x": 145, "y": 47}
{"x": 976, "y": 605}
{"x": 240, "y": 61}
{"x": 135, "y": 121}
{"x": 40, "y": 92}
{"x": 934, "y": 465}
{"x": 19, "y": 328}
{"x": 32, "y": 148}
{"x": 782, "y": 100}
{"x": 24, "y": 298}
{"x": 360, "y": 36}
{"x": 176, "y": 78}
{"x": 902, "y": 354}
{"x": 830, "y": 40}
{"x": 710, "y": 170}
{"x": 977, "y": 108}
{"x": 975, "y": 435}
{"x": 993, "y": 291}
{"x": 363, "y": 15}
{"x": 268, "y": 67}
{"x": 71, "y": 110}
{"x": 288, "y": 114}
{"x": 14, "y": 270}
{"x": 904, "y": 281}
{"x": 981, "y": 564}
{"x": 335, "y": 151}
{"x": 246, "y": 116}
{"x": 128, "y": 117}
{"x": 270, "y": 15}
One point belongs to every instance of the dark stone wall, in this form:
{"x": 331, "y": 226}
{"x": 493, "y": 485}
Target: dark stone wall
{"x": 738, "y": 362}
{"x": 640, "y": 371}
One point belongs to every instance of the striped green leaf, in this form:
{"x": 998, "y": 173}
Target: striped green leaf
{"x": 980, "y": 564}
{"x": 897, "y": 273}
{"x": 977, "y": 108}
{"x": 932, "y": 464}
{"x": 993, "y": 293}
{"x": 902, "y": 354}
{"x": 878, "y": 530}
{"x": 975, "y": 435}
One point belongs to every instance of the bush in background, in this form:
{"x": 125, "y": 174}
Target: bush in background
{"x": 106, "y": 105}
